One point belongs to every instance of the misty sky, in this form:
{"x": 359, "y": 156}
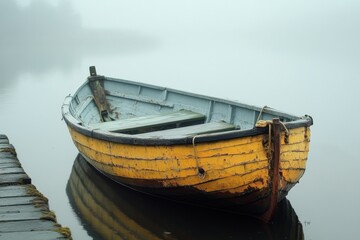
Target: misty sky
{"x": 244, "y": 32}
{"x": 298, "y": 56}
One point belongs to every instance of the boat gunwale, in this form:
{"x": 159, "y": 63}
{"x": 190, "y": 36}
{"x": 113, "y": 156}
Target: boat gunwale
{"x": 74, "y": 123}
{"x": 265, "y": 109}
{"x": 212, "y": 137}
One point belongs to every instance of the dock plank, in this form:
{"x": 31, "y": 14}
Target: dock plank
{"x": 28, "y": 225}
{"x": 4, "y": 147}
{"x": 4, "y": 139}
{"x": 6, "y": 156}
{"x": 9, "y": 164}
{"x": 20, "y": 216}
{"x": 18, "y": 191}
{"x": 24, "y": 211}
{"x": 7, "y": 179}
{"x": 11, "y": 170}
{"x": 31, "y": 235}
{"x": 16, "y": 201}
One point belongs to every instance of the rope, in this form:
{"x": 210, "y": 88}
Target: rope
{"x": 261, "y": 111}
{"x": 286, "y": 132}
{"x": 265, "y": 123}
{"x": 201, "y": 171}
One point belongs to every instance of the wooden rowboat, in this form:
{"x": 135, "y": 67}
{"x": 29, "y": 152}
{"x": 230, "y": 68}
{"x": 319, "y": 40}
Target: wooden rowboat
{"x": 188, "y": 147}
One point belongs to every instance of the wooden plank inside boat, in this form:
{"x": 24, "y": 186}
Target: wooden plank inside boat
{"x": 153, "y": 122}
{"x": 198, "y": 129}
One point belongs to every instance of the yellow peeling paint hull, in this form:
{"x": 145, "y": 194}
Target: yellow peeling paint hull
{"x": 236, "y": 170}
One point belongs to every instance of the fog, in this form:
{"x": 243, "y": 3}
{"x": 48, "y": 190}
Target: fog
{"x": 38, "y": 37}
{"x": 298, "y": 56}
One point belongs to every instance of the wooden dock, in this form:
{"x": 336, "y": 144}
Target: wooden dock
{"x": 24, "y": 211}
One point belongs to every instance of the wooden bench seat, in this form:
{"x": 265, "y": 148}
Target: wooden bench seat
{"x": 211, "y": 127}
{"x": 151, "y": 122}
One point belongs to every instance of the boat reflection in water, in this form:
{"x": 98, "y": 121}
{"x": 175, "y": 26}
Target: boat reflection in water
{"x": 111, "y": 211}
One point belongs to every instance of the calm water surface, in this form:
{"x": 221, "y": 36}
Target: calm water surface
{"x": 298, "y": 57}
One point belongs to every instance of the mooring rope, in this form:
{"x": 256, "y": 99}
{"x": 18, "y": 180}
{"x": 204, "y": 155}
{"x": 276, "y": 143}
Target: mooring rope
{"x": 286, "y": 132}
{"x": 265, "y": 123}
{"x": 261, "y": 111}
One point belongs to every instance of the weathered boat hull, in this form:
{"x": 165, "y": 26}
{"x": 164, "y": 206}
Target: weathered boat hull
{"x": 237, "y": 171}
{"x": 116, "y": 212}
{"x": 242, "y": 170}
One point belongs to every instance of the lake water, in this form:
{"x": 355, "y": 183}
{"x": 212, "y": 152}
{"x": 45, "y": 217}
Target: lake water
{"x": 301, "y": 57}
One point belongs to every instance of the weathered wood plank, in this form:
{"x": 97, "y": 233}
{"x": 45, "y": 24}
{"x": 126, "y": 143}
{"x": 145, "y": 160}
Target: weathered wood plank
{"x": 7, "y": 148}
{"x": 28, "y": 225}
{"x": 18, "y": 191}
{"x": 24, "y": 211}
{"x": 4, "y": 139}
{"x": 12, "y": 193}
{"x": 23, "y": 208}
{"x": 9, "y": 164}
{"x": 7, "y": 179}
{"x": 13, "y": 201}
{"x": 31, "y": 235}
{"x": 20, "y": 216}
{"x": 11, "y": 170}
{"x": 7, "y": 155}
{"x": 149, "y": 121}
{"x": 190, "y": 130}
